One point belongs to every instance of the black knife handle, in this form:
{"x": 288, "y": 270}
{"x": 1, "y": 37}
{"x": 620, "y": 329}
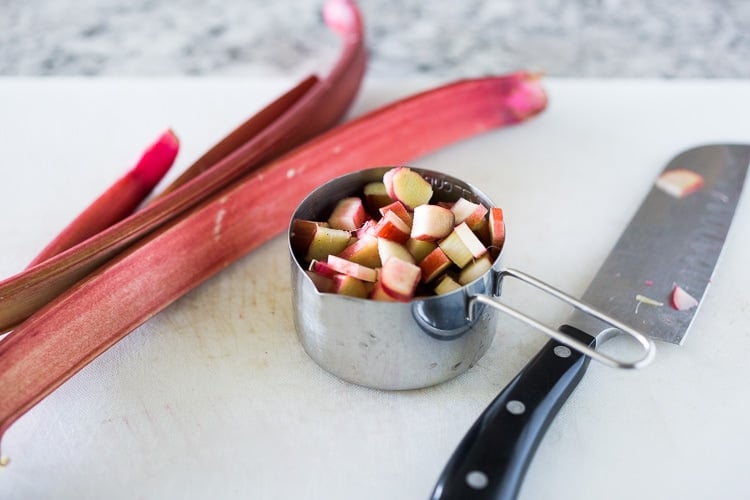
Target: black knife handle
{"x": 491, "y": 460}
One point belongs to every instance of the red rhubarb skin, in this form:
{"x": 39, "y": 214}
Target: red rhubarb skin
{"x": 87, "y": 319}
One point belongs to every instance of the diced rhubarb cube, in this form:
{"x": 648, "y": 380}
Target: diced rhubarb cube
{"x": 367, "y": 229}
{"x": 408, "y": 187}
{"x": 376, "y": 196}
{"x": 469, "y": 212}
{"x": 400, "y": 210}
{"x": 352, "y": 268}
{"x": 497, "y": 228}
{"x": 364, "y": 251}
{"x": 446, "y": 284}
{"x": 420, "y": 248}
{"x": 431, "y": 222}
{"x": 379, "y": 293}
{"x": 472, "y": 242}
{"x": 314, "y": 241}
{"x": 456, "y": 249}
{"x": 435, "y": 264}
{"x": 322, "y": 268}
{"x": 389, "y": 248}
{"x": 399, "y": 279}
{"x": 391, "y": 227}
{"x": 475, "y": 269}
{"x": 348, "y": 214}
{"x": 349, "y": 285}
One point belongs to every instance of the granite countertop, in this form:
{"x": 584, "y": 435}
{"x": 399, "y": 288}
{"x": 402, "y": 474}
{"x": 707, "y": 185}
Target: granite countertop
{"x": 408, "y": 38}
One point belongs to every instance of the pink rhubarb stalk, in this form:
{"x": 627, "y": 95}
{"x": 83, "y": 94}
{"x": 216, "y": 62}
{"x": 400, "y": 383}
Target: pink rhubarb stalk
{"x": 316, "y": 110}
{"x": 120, "y": 199}
{"x": 64, "y": 336}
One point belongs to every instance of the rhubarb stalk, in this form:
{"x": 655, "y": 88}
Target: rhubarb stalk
{"x": 120, "y": 199}
{"x": 64, "y": 336}
{"x": 301, "y": 117}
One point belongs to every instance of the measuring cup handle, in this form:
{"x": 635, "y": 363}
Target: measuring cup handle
{"x": 491, "y": 460}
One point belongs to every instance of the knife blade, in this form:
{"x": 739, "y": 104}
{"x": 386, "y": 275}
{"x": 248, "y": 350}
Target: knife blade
{"x": 671, "y": 245}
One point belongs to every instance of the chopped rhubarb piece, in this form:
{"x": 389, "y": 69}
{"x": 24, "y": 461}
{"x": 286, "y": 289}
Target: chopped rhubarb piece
{"x": 367, "y": 229}
{"x": 399, "y": 279}
{"x": 327, "y": 241}
{"x": 376, "y": 196}
{"x": 408, "y": 187}
{"x": 399, "y": 209}
{"x": 420, "y": 248}
{"x": 471, "y": 240}
{"x": 353, "y": 269}
{"x": 322, "y": 268}
{"x": 364, "y": 251}
{"x": 391, "y": 227}
{"x": 456, "y": 249}
{"x": 482, "y": 230}
{"x": 348, "y": 214}
{"x": 349, "y": 285}
{"x": 434, "y": 264}
{"x": 431, "y": 222}
{"x": 389, "y": 248}
{"x": 497, "y": 228}
{"x": 468, "y": 211}
{"x": 446, "y": 285}
{"x": 388, "y": 182}
{"x": 679, "y": 182}
{"x": 474, "y": 270}
{"x": 682, "y": 300}
{"x": 313, "y": 241}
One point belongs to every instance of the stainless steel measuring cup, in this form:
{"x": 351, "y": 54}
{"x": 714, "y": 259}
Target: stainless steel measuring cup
{"x": 408, "y": 345}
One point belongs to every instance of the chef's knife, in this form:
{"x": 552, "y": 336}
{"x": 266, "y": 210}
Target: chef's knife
{"x": 652, "y": 281}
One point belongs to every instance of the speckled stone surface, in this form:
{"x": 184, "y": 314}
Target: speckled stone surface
{"x": 407, "y": 38}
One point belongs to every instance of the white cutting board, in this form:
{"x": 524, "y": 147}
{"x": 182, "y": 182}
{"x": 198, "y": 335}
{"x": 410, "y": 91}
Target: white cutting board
{"x": 214, "y": 398}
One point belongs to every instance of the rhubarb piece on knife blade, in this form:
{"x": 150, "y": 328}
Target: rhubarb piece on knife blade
{"x": 682, "y": 300}
{"x": 679, "y": 182}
